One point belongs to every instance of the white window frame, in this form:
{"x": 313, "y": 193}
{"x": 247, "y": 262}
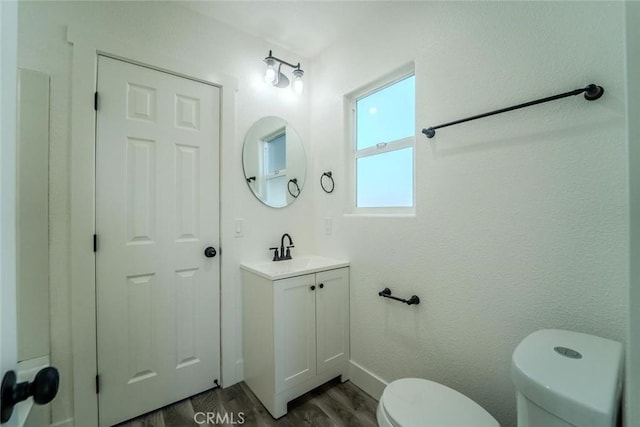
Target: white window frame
{"x": 266, "y": 174}
{"x": 266, "y": 140}
{"x": 383, "y": 147}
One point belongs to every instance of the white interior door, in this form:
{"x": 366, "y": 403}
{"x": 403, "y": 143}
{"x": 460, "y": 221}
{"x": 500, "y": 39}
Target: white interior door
{"x": 8, "y": 69}
{"x": 157, "y": 209}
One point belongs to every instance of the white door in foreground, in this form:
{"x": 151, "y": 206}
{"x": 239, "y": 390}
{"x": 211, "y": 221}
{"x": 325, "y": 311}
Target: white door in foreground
{"x": 8, "y": 70}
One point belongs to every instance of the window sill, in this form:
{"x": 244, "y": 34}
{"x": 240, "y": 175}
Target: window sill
{"x": 408, "y": 213}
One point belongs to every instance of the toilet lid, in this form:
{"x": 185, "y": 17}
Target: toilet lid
{"x": 415, "y": 401}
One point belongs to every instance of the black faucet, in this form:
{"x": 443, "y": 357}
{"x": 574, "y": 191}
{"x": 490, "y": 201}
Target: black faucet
{"x": 288, "y": 254}
{"x": 282, "y": 256}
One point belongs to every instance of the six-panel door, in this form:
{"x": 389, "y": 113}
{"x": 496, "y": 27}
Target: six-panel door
{"x": 157, "y": 207}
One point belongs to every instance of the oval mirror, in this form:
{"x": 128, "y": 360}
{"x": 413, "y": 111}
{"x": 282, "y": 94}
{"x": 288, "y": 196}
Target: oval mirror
{"x": 274, "y": 162}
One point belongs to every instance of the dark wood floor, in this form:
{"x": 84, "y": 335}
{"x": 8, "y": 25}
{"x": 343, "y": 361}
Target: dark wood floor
{"x": 331, "y": 405}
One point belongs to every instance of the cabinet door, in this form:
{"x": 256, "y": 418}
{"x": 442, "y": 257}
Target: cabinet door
{"x": 332, "y": 318}
{"x": 295, "y": 330}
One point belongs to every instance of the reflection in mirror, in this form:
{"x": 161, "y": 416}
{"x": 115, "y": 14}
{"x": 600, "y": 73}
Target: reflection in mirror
{"x": 32, "y": 215}
{"x": 274, "y": 162}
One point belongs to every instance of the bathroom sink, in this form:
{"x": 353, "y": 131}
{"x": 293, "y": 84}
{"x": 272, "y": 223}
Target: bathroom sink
{"x": 305, "y": 264}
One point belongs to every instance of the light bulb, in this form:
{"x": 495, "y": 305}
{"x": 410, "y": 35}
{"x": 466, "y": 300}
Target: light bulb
{"x": 298, "y": 85}
{"x": 270, "y": 73}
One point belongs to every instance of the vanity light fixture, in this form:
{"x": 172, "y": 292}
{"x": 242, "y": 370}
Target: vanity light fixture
{"x": 273, "y": 74}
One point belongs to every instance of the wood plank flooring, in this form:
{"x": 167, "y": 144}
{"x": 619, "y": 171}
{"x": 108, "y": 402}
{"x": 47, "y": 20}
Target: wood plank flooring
{"x": 333, "y": 404}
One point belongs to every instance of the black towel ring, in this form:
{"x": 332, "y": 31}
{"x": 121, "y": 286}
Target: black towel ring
{"x": 295, "y": 182}
{"x": 333, "y": 184}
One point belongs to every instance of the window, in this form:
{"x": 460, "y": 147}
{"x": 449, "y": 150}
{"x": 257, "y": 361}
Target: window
{"x": 384, "y": 136}
{"x": 275, "y": 164}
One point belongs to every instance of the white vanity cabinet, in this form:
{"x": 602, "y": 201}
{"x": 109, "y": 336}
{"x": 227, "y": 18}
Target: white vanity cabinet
{"x": 295, "y": 333}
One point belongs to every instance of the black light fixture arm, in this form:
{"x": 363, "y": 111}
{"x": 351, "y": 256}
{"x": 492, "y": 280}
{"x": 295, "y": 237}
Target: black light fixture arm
{"x": 591, "y": 93}
{"x": 295, "y": 67}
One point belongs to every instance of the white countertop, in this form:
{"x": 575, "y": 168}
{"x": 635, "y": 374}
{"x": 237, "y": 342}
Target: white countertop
{"x": 299, "y": 265}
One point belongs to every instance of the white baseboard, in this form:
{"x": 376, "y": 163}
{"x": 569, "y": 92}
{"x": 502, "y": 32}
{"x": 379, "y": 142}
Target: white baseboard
{"x": 64, "y": 423}
{"x": 366, "y": 380}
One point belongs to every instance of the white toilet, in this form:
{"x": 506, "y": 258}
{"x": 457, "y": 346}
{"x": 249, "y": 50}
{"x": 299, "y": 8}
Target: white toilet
{"x": 562, "y": 379}
{"x": 410, "y": 402}
{"x": 567, "y": 379}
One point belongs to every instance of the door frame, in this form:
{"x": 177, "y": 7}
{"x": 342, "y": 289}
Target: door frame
{"x": 87, "y": 44}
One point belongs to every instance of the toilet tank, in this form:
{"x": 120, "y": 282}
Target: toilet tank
{"x": 566, "y": 379}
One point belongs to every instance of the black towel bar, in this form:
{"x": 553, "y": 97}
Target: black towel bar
{"x": 591, "y": 93}
{"x": 386, "y": 293}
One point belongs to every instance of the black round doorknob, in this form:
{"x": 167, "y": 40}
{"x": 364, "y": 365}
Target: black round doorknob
{"x": 43, "y": 389}
{"x": 45, "y": 385}
{"x": 210, "y": 252}
{"x": 313, "y": 288}
{"x": 321, "y": 285}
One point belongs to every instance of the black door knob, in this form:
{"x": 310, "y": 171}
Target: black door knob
{"x": 45, "y": 385}
{"x": 43, "y": 389}
{"x": 313, "y": 288}
{"x": 321, "y": 285}
{"x": 210, "y": 252}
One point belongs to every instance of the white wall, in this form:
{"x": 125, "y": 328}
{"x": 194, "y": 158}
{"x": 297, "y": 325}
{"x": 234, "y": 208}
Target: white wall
{"x": 191, "y": 38}
{"x": 633, "y": 110}
{"x": 521, "y": 220}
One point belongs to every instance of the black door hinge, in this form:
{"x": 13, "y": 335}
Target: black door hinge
{"x": 95, "y": 243}
{"x": 95, "y": 101}
{"x": 97, "y": 384}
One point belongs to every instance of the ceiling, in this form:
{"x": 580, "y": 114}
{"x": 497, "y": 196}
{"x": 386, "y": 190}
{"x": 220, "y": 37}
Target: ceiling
{"x": 303, "y": 27}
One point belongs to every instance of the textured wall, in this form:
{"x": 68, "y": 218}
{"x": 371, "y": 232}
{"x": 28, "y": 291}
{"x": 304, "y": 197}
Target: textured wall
{"x": 521, "y": 219}
{"x": 189, "y": 37}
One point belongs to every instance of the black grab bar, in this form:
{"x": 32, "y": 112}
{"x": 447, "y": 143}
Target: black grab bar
{"x": 386, "y": 293}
